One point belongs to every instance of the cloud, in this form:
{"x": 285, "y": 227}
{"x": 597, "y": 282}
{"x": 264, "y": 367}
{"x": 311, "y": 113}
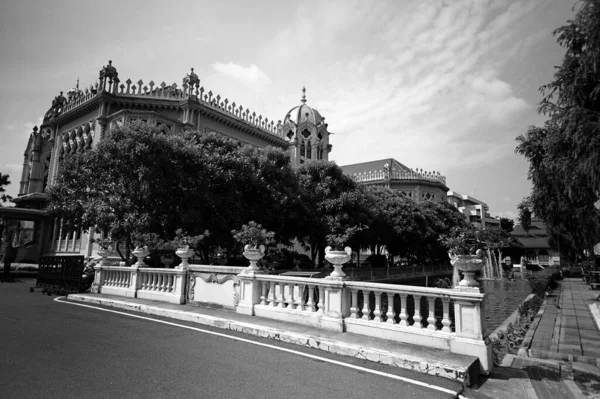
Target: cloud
{"x": 251, "y": 75}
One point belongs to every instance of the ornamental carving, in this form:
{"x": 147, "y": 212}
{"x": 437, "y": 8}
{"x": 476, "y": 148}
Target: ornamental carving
{"x": 213, "y": 278}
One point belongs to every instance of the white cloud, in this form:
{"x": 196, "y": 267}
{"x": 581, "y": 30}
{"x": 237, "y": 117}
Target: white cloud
{"x": 251, "y": 75}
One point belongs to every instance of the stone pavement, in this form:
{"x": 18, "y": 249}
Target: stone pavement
{"x": 567, "y": 330}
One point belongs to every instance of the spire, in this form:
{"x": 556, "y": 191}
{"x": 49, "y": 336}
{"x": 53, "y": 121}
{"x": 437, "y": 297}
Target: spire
{"x": 303, "y": 95}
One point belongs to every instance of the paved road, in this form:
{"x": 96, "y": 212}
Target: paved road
{"x": 60, "y": 350}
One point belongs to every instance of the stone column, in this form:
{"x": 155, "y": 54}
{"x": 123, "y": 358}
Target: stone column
{"x": 250, "y": 292}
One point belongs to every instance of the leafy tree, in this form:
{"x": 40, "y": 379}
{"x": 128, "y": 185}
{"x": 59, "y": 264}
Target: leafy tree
{"x": 4, "y": 181}
{"x": 137, "y": 180}
{"x": 507, "y": 224}
{"x": 564, "y": 154}
{"x": 397, "y": 223}
{"x": 525, "y": 215}
{"x": 441, "y": 217}
{"x": 336, "y": 205}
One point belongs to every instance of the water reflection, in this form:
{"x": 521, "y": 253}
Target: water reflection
{"x": 502, "y": 297}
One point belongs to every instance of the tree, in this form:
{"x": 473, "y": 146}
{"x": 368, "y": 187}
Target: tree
{"x": 525, "y": 215}
{"x": 397, "y": 223}
{"x": 507, "y": 224}
{"x": 336, "y": 206}
{"x": 137, "y": 180}
{"x": 564, "y": 154}
{"x": 4, "y": 181}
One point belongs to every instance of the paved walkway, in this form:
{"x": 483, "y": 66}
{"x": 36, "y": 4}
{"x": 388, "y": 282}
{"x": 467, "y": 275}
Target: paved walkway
{"x": 567, "y": 329}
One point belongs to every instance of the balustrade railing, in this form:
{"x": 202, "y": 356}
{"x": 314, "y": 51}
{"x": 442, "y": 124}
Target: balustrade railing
{"x": 157, "y": 280}
{"x": 451, "y": 319}
{"x": 157, "y": 284}
{"x": 117, "y": 277}
{"x": 292, "y": 293}
{"x": 404, "y": 306}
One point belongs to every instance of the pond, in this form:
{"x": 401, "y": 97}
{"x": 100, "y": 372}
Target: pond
{"x": 502, "y": 297}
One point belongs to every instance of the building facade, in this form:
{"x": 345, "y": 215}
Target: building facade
{"x": 476, "y": 211}
{"x": 78, "y": 121}
{"x": 417, "y": 185}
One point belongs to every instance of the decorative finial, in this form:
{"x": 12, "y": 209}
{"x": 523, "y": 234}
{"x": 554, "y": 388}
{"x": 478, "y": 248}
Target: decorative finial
{"x": 109, "y": 62}
{"x": 303, "y": 95}
{"x": 77, "y": 86}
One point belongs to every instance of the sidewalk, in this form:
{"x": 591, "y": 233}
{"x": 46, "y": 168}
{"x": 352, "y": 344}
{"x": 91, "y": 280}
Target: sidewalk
{"x": 567, "y": 330}
{"x": 565, "y": 340}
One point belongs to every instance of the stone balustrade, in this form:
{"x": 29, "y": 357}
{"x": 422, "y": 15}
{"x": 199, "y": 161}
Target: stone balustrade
{"x": 449, "y": 319}
{"x": 167, "y": 285}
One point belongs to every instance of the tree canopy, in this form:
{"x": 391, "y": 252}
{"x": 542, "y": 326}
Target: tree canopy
{"x": 4, "y": 181}
{"x": 564, "y": 154}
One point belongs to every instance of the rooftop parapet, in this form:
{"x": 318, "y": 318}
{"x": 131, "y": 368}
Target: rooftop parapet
{"x": 191, "y": 89}
{"x": 419, "y": 174}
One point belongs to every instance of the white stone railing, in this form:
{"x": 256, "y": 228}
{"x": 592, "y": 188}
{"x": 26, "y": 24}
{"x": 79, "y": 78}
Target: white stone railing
{"x": 448, "y": 319}
{"x": 167, "y": 285}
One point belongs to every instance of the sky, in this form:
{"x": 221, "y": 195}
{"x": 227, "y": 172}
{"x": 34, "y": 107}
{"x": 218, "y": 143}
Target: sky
{"x": 438, "y": 85}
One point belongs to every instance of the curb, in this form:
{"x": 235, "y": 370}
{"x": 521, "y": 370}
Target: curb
{"x": 394, "y": 359}
{"x": 524, "y": 349}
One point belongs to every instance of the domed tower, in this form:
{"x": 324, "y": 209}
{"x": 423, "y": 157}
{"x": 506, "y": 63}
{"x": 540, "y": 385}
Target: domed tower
{"x": 306, "y": 131}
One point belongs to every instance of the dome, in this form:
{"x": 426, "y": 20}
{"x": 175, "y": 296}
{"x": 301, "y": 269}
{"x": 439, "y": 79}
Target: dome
{"x": 303, "y": 113}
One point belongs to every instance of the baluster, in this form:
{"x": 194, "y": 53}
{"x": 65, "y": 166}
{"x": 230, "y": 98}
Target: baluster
{"x": 263, "y": 297}
{"x": 144, "y": 281}
{"x": 163, "y": 283}
{"x": 322, "y": 300}
{"x": 354, "y": 304}
{"x": 431, "y": 318}
{"x": 170, "y": 283}
{"x": 365, "y": 309}
{"x": 153, "y": 282}
{"x": 310, "y": 305}
{"x": 377, "y": 310}
{"x": 417, "y": 316}
{"x": 300, "y": 298}
{"x": 291, "y": 301}
{"x": 281, "y": 299}
{"x": 403, "y": 316}
{"x": 446, "y": 318}
{"x": 391, "y": 315}
{"x": 272, "y": 295}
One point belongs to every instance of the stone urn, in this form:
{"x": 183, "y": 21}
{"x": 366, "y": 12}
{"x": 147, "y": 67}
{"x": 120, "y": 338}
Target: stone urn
{"x": 103, "y": 253}
{"x": 337, "y": 259}
{"x": 468, "y": 265}
{"x": 167, "y": 260}
{"x": 184, "y": 253}
{"x": 140, "y": 253}
{"x": 253, "y": 254}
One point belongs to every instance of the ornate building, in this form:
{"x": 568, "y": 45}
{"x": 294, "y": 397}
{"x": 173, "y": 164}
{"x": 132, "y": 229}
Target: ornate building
{"x": 78, "y": 121}
{"x": 417, "y": 185}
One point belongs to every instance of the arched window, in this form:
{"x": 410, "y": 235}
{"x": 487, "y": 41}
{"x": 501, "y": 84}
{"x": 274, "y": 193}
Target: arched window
{"x": 302, "y": 149}
{"x": 309, "y": 150}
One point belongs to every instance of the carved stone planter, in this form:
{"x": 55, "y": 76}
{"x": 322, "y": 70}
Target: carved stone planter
{"x": 103, "y": 253}
{"x": 337, "y": 258}
{"x": 253, "y": 255}
{"x": 140, "y": 253}
{"x": 468, "y": 265}
{"x": 167, "y": 261}
{"x": 184, "y": 253}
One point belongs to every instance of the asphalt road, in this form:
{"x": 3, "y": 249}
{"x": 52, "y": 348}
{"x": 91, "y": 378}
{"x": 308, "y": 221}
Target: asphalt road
{"x": 50, "y": 349}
